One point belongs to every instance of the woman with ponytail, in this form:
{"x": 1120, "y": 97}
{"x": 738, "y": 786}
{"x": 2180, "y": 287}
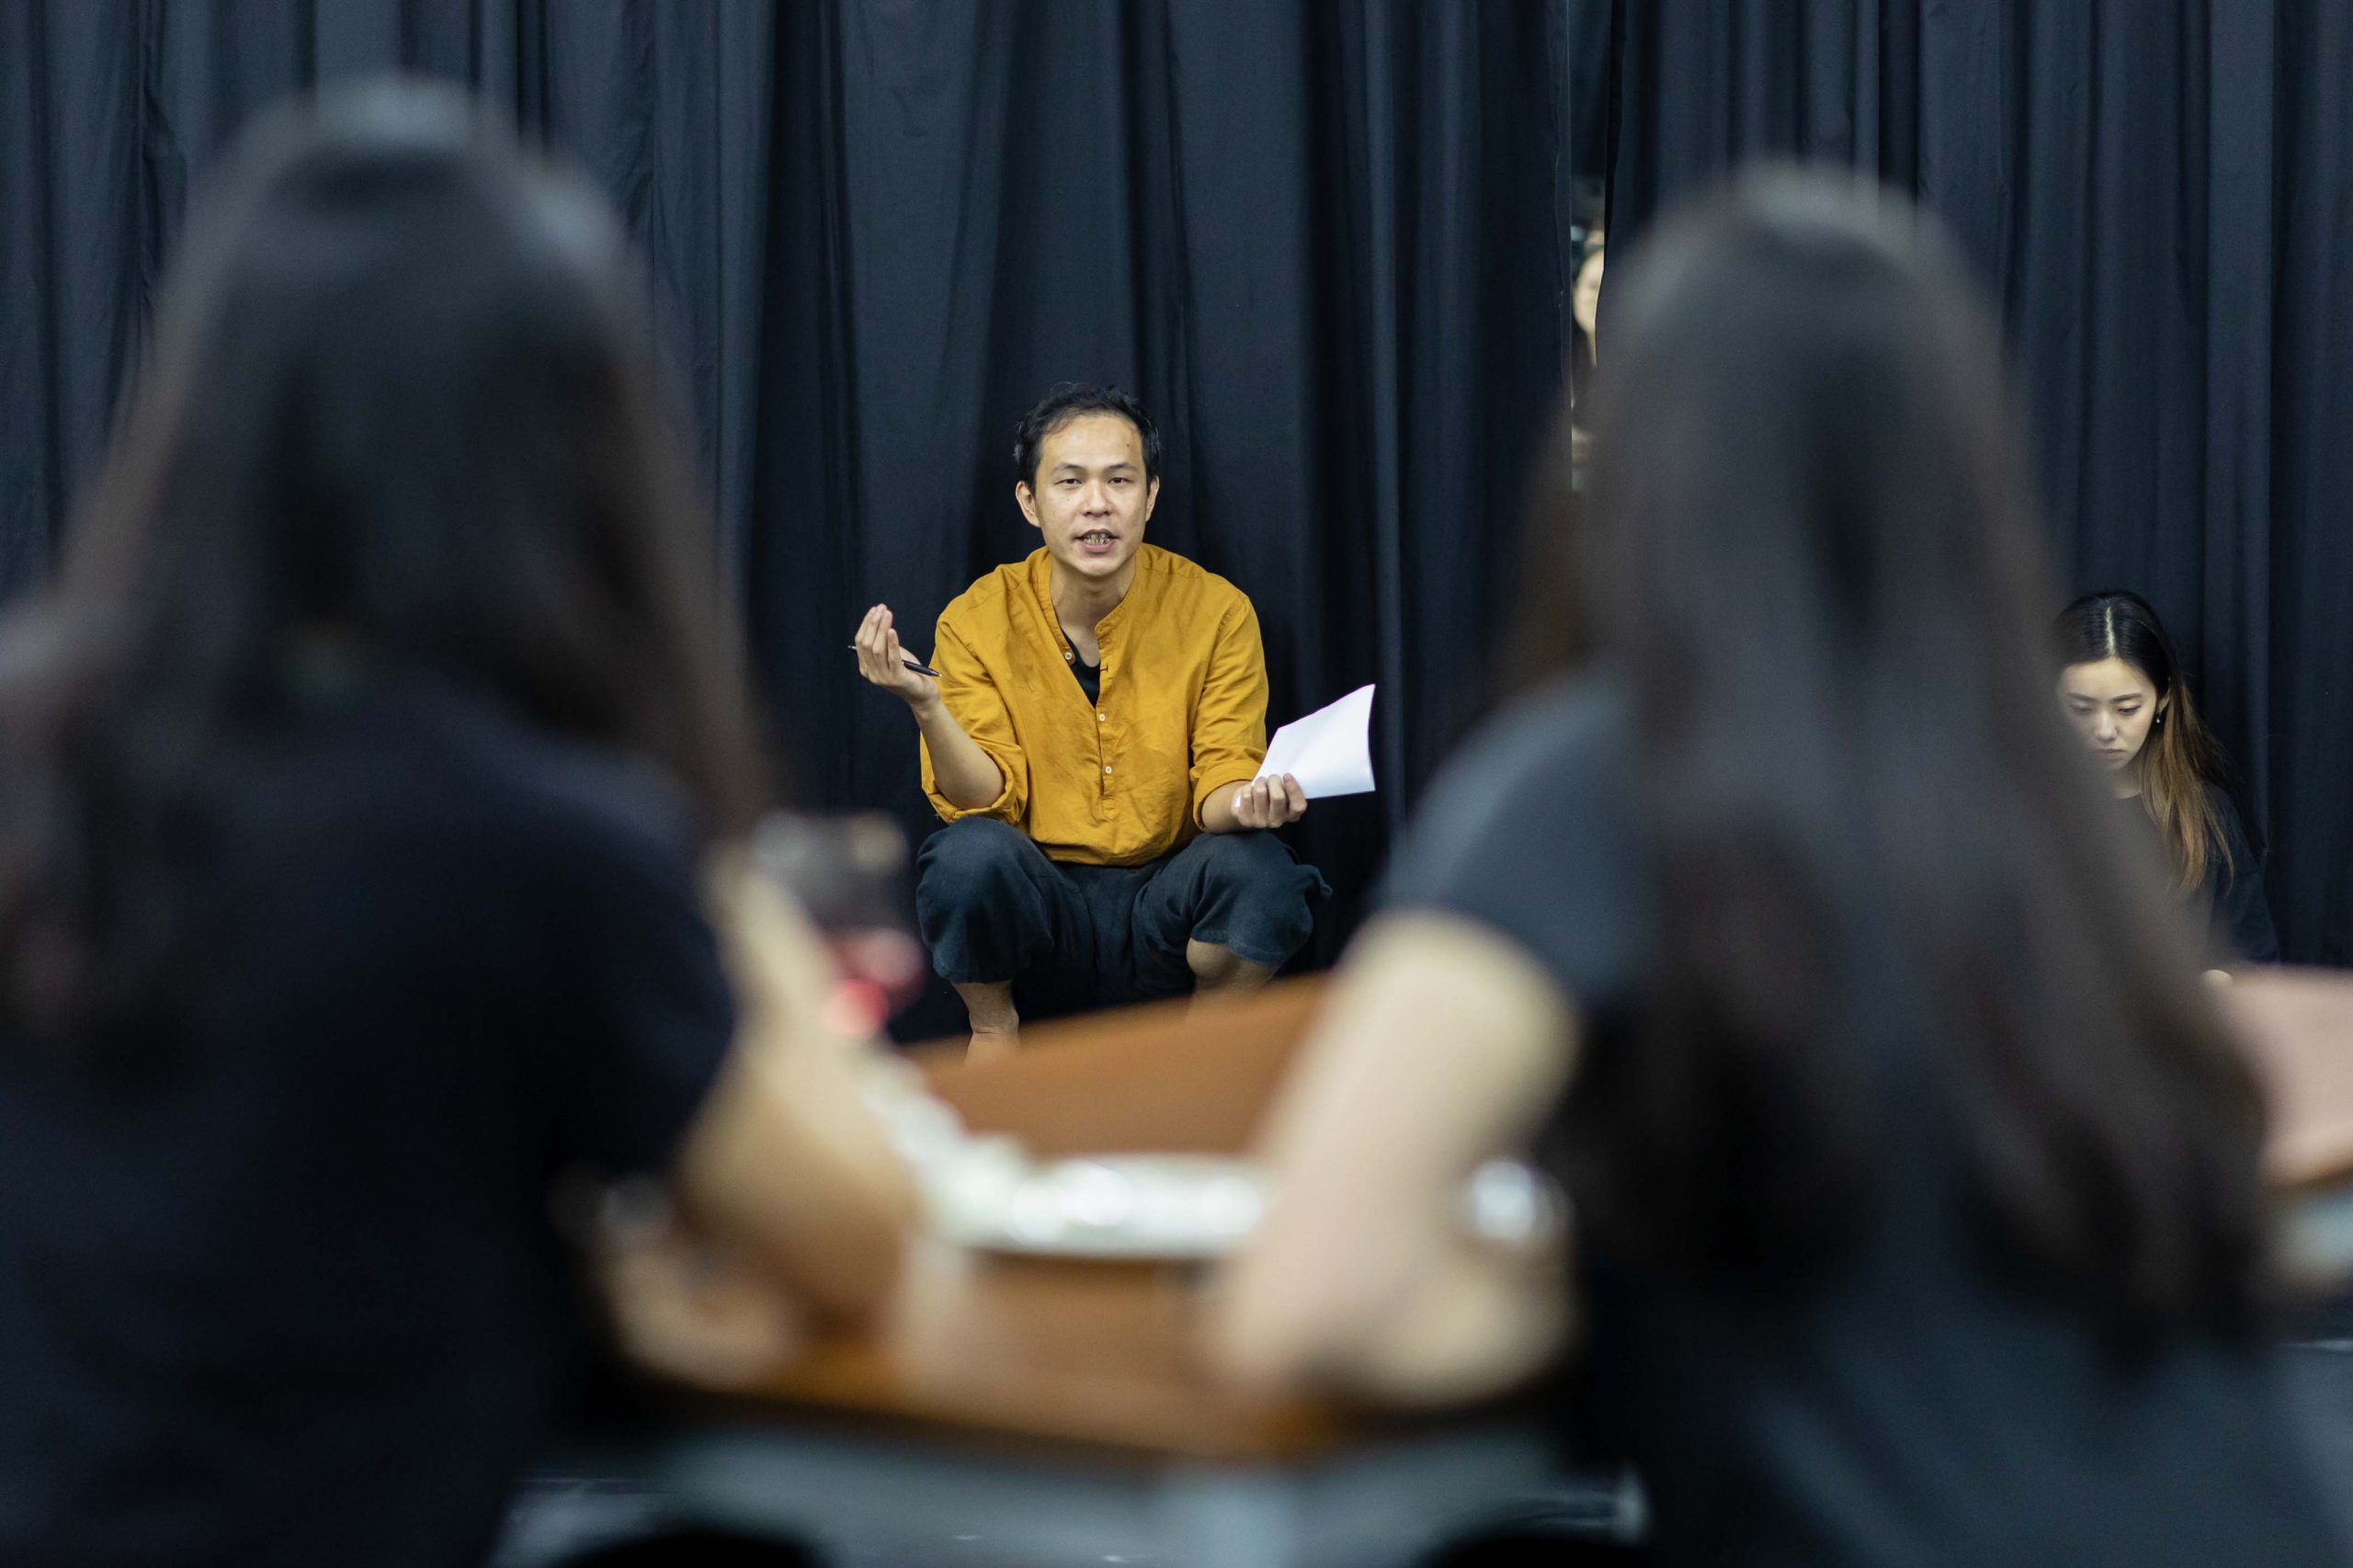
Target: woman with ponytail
{"x": 2122, "y": 688}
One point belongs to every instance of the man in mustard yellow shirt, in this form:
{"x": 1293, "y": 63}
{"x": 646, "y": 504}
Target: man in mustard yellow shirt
{"x": 1091, "y": 743}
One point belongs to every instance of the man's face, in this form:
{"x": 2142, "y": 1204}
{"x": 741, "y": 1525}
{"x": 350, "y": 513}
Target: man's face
{"x": 1091, "y": 500}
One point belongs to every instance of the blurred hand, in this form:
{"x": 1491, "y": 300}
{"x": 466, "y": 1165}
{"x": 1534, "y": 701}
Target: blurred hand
{"x": 690, "y": 1310}
{"x": 1269, "y": 802}
{"x": 777, "y": 965}
{"x": 883, "y": 661}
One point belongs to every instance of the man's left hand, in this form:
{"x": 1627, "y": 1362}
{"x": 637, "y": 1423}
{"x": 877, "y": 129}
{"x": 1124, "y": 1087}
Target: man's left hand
{"x": 1268, "y": 802}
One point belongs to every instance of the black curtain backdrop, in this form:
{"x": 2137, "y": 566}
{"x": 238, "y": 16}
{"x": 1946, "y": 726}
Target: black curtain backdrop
{"x": 2159, "y": 194}
{"x": 1319, "y": 241}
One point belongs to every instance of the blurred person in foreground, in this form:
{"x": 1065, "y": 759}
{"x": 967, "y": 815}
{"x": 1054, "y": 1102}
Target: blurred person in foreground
{"x": 2122, "y": 688}
{"x": 1917, "y": 1216}
{"x": 370, "y": 780}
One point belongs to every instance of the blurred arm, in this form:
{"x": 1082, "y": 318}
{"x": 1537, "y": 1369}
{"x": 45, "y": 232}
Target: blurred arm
{"x": 785, "y": 1163}
{"x": 1444, "y": 1046}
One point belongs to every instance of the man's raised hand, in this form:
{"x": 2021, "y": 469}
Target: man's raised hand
{"x": 883, "y": 662}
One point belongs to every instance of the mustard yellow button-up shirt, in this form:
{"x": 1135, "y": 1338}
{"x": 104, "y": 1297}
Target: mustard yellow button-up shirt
{"x": 1120, "y": 781}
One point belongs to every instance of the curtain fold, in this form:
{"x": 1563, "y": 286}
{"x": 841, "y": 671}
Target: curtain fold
{"x": 73, "y": 208}
{"x": 2308, "y": 572}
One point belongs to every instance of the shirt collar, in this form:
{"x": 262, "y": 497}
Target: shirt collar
{"x": 1041, "y": 585}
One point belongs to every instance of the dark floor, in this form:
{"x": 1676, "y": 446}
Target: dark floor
{"x": 566, "y": 1521}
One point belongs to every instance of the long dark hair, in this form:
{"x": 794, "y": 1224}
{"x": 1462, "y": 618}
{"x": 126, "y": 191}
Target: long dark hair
{"x": 2180, "y": 760}
{"x": 402, "y": 404}
{"x": 1814, "y": 556}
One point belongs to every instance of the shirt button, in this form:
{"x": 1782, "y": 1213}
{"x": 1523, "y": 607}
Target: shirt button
{"x": 1099, "y": 717}
{"x": 1106, "y": 768}
{"x": 1068, "y": 656}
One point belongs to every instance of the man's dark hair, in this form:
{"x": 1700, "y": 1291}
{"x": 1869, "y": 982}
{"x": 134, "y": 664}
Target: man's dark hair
{"x": 1066, "y": 402}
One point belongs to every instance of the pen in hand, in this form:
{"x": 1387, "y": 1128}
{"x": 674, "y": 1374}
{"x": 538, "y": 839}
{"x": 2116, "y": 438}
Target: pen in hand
{"x": 918, "y": 668}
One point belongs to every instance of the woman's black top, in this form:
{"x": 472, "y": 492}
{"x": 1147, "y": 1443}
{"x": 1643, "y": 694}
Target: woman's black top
{"x": 2228, "y": 898}
{"x": 293, "y": 1295}
{"x": 1911, "y": 1403}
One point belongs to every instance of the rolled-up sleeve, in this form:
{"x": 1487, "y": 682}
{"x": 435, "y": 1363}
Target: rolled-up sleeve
{"x": 1230, "y": 722}
{"x": 978, "y": 707}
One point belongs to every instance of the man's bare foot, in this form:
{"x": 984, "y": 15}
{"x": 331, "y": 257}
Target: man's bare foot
{"x": 993, "y": 1045}
{"x": 996, "y": 1024}
{"x": 1218, "y": 973}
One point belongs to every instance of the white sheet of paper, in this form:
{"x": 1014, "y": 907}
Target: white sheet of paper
{"x": 1330, "y": 750}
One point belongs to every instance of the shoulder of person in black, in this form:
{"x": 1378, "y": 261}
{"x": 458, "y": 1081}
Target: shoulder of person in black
{"x": 2230, "y": 896}
{"x": 447, "y": 956}
{"x": 2234, "y": 885}
{"x": 552, "y": 883}
{"x": 1777, "y": 1421}
{"x": 1548, "y": 787}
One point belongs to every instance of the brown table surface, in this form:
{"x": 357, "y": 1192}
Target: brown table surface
{"x": 1098, "y": 1354}
{"x": 2298, "y": 1026}
{"x": 1104, "y": 1355}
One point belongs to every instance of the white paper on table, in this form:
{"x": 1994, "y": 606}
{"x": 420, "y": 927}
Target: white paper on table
{"x": 1330, "y": 750}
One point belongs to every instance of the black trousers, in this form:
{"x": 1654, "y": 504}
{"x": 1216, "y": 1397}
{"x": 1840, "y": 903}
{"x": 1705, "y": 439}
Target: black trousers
{"x": 992, "y": 908}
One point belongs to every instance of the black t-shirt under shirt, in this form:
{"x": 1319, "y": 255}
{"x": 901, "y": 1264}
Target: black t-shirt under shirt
{"x": 1908, "y": 1407}
{"x": 298, "y": 1299}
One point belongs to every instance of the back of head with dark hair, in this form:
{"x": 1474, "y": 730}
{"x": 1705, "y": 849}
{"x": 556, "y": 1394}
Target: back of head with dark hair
{"x": 2180, "y": 760}
{"x": 402, "y": 406}
{"x": 1813, "y": 554}
{"x": 1066, "y": 402}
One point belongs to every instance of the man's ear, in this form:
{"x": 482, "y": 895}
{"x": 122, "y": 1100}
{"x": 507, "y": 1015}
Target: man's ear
{"x": 1027, "y": 499}
{"x": 1150, "y": 497}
